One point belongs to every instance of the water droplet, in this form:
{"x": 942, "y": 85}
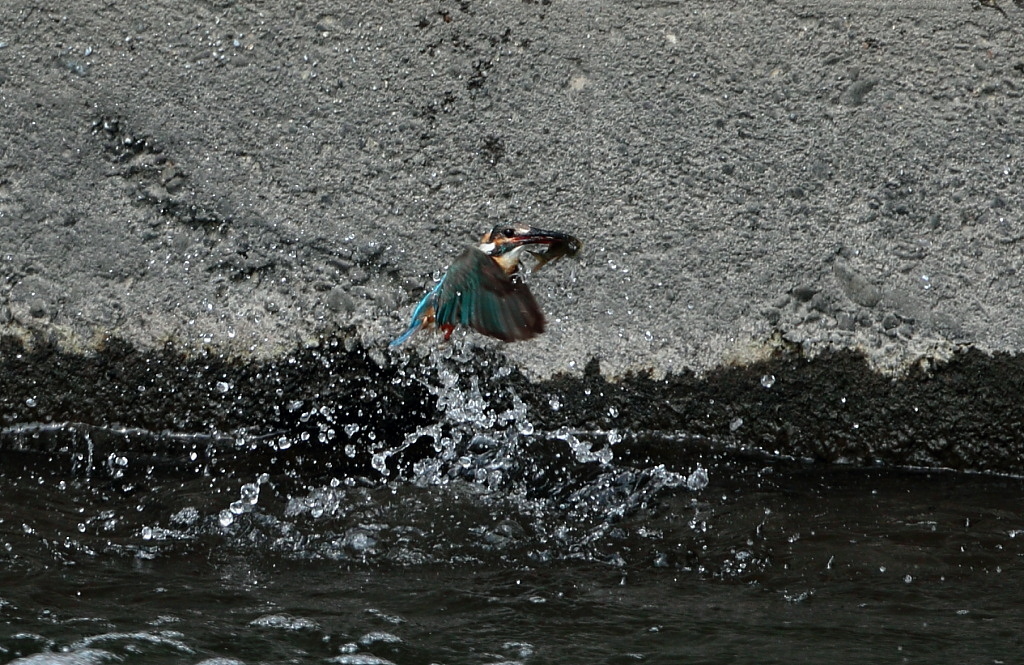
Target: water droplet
{"x": 613, "y": 412}
{"x": 380, "y": 463}
{"x": 768, "y": 380}
{"x": 735, "y": 424}
{"x": 226, "y": 518}
{"x": 555, "y": 404}
{"x": 907, "y": 579}
{"x": 31, "y": 402}
{"x": 697, "y": 480}
{"x": 223, "y": 386}
{"x": 250, "y": 493}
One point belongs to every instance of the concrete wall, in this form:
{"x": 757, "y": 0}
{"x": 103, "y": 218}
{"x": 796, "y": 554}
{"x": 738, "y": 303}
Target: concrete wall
{"x": 244, "y": 178}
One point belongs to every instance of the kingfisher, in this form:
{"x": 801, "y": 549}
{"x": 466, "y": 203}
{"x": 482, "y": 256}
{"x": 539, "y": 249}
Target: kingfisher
{"x": 484, "y": 289}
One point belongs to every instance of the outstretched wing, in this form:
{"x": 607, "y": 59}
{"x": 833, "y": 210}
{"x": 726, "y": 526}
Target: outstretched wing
{"x": 476, "y": 292}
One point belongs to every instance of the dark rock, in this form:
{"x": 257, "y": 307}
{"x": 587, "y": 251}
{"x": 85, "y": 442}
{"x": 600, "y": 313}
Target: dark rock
{"x": 804, "y": 292}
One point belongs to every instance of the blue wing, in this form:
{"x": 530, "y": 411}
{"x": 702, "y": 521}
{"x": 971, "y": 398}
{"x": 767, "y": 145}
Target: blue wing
{"x": 476, "y": 292}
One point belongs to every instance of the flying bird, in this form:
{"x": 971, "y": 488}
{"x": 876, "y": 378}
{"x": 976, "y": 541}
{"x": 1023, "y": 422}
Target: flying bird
{"x": 483, "y": 288}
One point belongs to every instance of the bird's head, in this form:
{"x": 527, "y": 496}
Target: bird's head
{"x": 506, "y": 238}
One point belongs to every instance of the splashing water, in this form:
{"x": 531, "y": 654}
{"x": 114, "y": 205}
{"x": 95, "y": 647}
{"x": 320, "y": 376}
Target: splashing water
{"x": 479, "y": 473}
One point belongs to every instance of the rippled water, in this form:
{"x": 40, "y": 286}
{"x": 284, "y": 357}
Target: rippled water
{"x": 475, "y": 538}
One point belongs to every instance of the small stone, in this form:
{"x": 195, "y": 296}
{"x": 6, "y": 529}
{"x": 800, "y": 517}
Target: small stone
{"x": 890, "y": 321}
{"x": 846, "y": 322}
{"x": 804, "y": 292}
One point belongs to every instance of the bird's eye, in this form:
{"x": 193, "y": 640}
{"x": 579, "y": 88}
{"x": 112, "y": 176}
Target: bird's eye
{"x": 508, "y": 232}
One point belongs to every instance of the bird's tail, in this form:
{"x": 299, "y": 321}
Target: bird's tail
{"x": 404, "y": 337}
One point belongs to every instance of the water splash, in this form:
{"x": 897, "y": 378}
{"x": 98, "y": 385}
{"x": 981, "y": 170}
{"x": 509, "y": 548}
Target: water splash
{"x": 463, "y": 473}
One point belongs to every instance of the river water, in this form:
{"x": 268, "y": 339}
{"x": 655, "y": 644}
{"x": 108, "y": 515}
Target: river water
{"x": 476, "y": 538}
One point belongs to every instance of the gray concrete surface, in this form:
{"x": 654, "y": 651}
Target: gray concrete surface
{"x": 243, "y": 177}
{"x": 193, "y": 194}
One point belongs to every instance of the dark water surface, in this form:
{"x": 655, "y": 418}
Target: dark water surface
{"x": 356, "y": 537}
{"x": 508, "y": 552}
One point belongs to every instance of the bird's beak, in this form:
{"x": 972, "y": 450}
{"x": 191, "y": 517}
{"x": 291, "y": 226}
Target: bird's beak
{"x": 535, "y": 236}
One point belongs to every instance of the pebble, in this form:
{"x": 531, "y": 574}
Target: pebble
{"x": 804, "y": 292}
